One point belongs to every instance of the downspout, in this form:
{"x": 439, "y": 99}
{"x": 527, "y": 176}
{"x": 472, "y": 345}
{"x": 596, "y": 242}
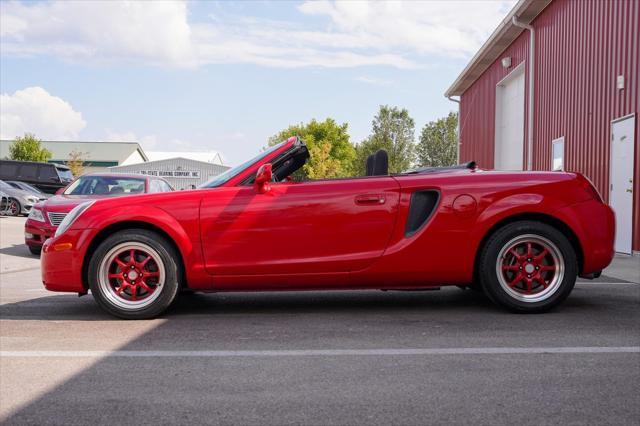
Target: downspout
{"x": 457, "y": 130}
{"x": 532, "y": 55}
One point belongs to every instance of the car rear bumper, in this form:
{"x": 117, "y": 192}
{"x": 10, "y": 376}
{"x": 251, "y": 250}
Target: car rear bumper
{"x": 36, "y": 232}
{"x": 62, "y": 260}
{"x": 595, "y": 226}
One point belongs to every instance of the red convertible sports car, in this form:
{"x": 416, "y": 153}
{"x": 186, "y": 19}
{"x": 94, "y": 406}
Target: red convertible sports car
{"x": 521, "y": 237}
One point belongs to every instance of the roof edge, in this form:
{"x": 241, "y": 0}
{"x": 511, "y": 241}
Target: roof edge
{"x": 525, "y": 10}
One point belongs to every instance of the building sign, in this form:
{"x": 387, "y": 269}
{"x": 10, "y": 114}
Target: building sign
{"x": 181, "y": 174}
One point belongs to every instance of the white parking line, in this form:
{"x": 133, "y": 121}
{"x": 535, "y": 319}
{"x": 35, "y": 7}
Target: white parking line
{"x": 590, "y": 283}
{"x": 323, "y": 352}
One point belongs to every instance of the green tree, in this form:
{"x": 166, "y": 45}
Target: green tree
{"x": 394, "y": 131}
{"x": 438, "y": 139}
{"x": 28, "y": 148}
{"x": 329, "y": 147}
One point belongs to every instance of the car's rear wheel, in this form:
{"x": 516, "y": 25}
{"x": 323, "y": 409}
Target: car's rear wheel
{"x": 528, "y": 266}
{"x": 133, "y": 274}
{"x": 14, "y": 208}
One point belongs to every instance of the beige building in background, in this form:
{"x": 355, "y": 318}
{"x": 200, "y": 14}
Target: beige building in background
{"x": 98, "y": 156}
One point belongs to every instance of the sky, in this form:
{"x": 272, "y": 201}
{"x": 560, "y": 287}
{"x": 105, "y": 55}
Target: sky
{"x": 225, "y": 76}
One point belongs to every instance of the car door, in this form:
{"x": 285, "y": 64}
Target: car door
{"x": 312, "y": 227}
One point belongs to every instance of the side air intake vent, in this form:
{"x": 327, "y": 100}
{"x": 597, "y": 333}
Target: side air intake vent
{"x": 423, "y": 204}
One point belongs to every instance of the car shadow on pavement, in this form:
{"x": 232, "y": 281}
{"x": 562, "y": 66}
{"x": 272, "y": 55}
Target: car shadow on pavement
{"x": 54, "y": 308}
{"x": 341, "y": 390}
{"x": 67, "y": 307}
{"x": 215, "y": 305}
{"x": 18, "y": 250}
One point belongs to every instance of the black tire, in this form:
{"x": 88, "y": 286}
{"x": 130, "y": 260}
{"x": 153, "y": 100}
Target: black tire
{"x": 166, "y": 255}
{"x": 35, "y": 250}
{"x": 560, "y": 279}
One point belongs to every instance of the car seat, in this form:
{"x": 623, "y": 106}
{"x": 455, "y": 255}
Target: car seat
{"x": 101, "y": 188}
{"x": 377, "y": 164}
{"x": 369, "y": 166}
{"x": 381, "y": 163}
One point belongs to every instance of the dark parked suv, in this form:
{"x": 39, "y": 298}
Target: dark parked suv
{"x": 48, "y": 177}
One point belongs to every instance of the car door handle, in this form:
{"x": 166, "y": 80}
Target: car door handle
{"x": 370, "y": 199}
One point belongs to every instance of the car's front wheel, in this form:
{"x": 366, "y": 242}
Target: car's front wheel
{"x": 14, "y": 208}
{"x": 528, "y": 266}
{"x": 133, "y": 274}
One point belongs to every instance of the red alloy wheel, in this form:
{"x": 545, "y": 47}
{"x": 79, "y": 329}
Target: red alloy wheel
{"x": 14, "y": 208}
{"x": 131, "y": 275}
{"x": 530, "y": 268}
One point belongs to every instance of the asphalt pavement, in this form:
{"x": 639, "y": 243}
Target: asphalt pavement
{"x": 321, "y": 358}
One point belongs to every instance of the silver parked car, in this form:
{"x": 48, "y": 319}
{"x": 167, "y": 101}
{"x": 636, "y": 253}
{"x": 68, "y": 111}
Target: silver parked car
{"x": 20, "y": 201}
{"x": 4, "y": 203}
{"x": 29, "y": 188}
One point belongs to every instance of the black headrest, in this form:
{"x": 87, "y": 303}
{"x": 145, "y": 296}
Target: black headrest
{"x": 369, "y": 166}
{"x": 381, "y": 163}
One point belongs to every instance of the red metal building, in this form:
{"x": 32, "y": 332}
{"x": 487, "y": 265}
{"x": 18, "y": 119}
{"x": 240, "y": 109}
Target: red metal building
{"x": 584, "y": 74}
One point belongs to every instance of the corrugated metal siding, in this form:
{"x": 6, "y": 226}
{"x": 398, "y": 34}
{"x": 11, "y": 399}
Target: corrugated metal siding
{"x": 207, "y": 170}
{"x": 581, "y": 48}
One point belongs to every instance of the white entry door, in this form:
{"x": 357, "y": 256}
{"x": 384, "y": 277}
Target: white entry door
{"x": 509, "y": 143}
{"x": 621, "y": 195}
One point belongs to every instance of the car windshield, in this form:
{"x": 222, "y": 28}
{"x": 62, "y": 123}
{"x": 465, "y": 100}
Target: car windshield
{"x": 5, "y": 185}
{"x": 106, "y": 186}
{"x": 65, "y": 174}
{"x": 26, "y": 186}
{"x": 224, "y": 177}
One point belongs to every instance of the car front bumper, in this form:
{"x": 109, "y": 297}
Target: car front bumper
{"x": 36, "y": 232}
{"x": 62, "y": 259}
{"x": 26, "y": 207}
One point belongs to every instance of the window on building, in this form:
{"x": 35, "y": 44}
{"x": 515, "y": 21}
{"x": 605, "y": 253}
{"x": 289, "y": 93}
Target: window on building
{"x": 557, "y": 154}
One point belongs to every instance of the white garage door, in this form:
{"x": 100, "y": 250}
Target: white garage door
{"x": 509, "y": 146}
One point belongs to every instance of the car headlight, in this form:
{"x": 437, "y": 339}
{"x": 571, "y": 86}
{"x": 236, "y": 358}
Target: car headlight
{"x": 72, "y": 216}
{"x": 36, "y": 214}
{"x": 33, "y": 199}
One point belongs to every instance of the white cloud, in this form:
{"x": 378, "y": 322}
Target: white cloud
{"x": 447, "y": 28}
{"x": 34, "y": 110}
{"x": 328, "y": 33}
{"x": 153, "y": 31}
{"x": 148, "y": 142}
{"x": 374, "y": 81}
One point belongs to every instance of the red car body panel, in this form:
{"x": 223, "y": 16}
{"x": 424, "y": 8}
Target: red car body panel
{"x": 324, "y": 228}
{"x": 337, "y": 234}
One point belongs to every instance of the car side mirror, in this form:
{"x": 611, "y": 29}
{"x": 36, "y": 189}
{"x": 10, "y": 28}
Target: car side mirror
{"x": 262, "y": 184}
{"x": 60, "y": 191}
